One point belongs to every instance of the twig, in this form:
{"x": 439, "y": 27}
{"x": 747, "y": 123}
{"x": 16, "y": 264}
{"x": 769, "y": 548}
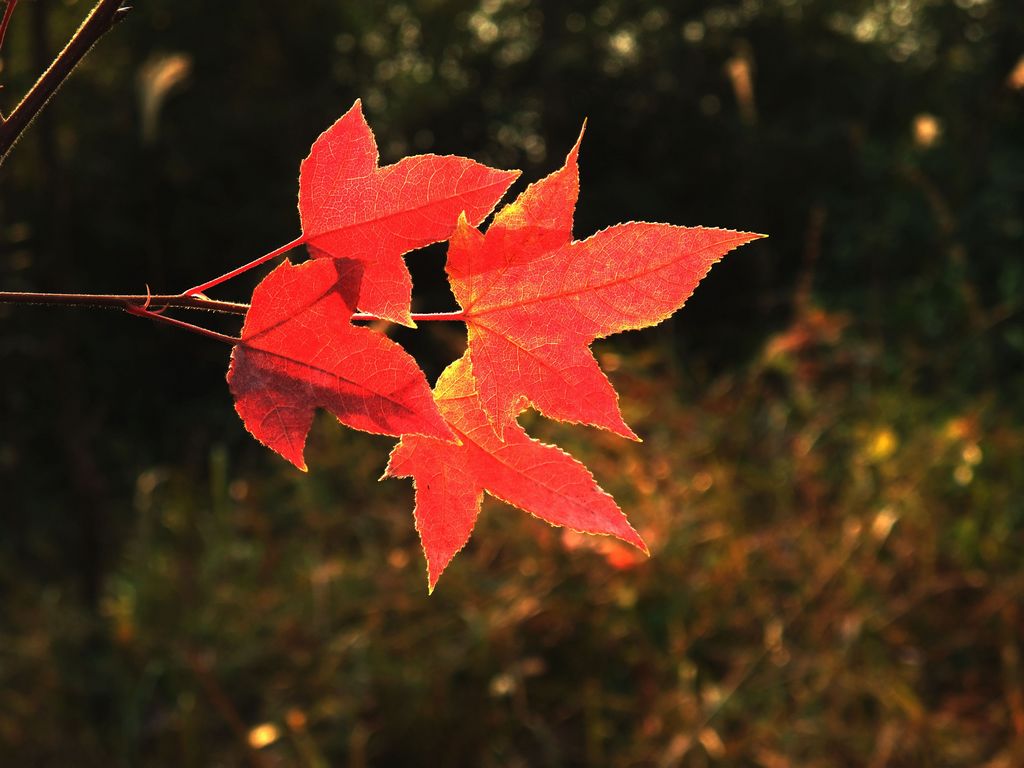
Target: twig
{"x": 124, "y": 301}
{"x": 8, "y": 12}
{"x": 154, "y": 303}
{"x": 104, "y": 15}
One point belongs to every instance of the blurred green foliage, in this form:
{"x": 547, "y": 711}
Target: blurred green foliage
{"x": 832, "y": 478}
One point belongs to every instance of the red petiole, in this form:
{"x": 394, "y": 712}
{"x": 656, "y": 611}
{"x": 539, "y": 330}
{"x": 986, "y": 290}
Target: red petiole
{"x": 203, "y": 287}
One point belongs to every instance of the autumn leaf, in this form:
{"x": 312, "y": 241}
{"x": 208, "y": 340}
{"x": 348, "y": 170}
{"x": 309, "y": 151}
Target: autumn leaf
{"x": 298, "y": 351}
{"x": 534, "y": 300}
{"x": 353, "y": 209}
{"x": 450, "y": 478}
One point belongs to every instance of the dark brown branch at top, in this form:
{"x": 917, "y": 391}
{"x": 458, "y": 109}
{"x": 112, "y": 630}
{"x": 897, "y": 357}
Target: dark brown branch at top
{"x": 124, "y": 301}
{"x": 104, "y": 15}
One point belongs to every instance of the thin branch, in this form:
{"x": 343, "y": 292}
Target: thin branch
{"x": 8, "y": 12}
{"x": 159, "y": 302}
{"x": 104, "y": 15}
{"x": 124, "y": 301}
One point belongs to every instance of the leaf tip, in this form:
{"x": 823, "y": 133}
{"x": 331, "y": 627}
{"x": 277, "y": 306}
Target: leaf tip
{"x": 631, "y": 435}
{"x": 630, "y": 536}
{"x": 434, "y": 575}
{"x": 389, "y": 470}
{"x": 296, "y": 458}
{"x": 387, "y": 312}
{"x": 617, "y": 425}
{"x": 643, "y": 546}
{"x": 465, "y": 235}
{"x": 750, "y": 237}
{"x": 575, "y": 151}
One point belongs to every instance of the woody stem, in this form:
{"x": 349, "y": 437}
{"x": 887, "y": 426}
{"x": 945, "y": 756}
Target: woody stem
{"x": 124, "y": 301}
{"x": 156, "y": 302}
{"x": 104, "y": 15}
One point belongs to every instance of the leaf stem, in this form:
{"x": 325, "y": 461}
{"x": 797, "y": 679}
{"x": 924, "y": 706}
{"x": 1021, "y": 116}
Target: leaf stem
{"x": 245, "y": 267}
{"x": 417, "y": 317}
{"x": 104, "y": 15}
{"x": 149, "y": 314}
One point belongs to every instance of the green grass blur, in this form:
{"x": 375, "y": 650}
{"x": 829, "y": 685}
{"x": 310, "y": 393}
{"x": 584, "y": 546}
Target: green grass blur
{"x": 832, "y": 474}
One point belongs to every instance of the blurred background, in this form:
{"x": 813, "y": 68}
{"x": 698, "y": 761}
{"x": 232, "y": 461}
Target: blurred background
{"x": 832, "y": 478}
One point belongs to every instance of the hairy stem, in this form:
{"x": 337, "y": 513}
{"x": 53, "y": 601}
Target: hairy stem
{"x": 124, "y": 301}
{"x": 158, "y": 302}
{"x": 133, "y": 310}
{"x": 103, "y": 16}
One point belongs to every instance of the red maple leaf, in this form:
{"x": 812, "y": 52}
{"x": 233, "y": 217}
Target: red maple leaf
{"x": 450, "y": 478}
{"x": 534, "y": 300}
{"x": 298, "y": 351}
{"x": 353, "y": 209}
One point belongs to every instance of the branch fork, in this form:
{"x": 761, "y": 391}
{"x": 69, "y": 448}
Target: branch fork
{"x": 142, "y": 304}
